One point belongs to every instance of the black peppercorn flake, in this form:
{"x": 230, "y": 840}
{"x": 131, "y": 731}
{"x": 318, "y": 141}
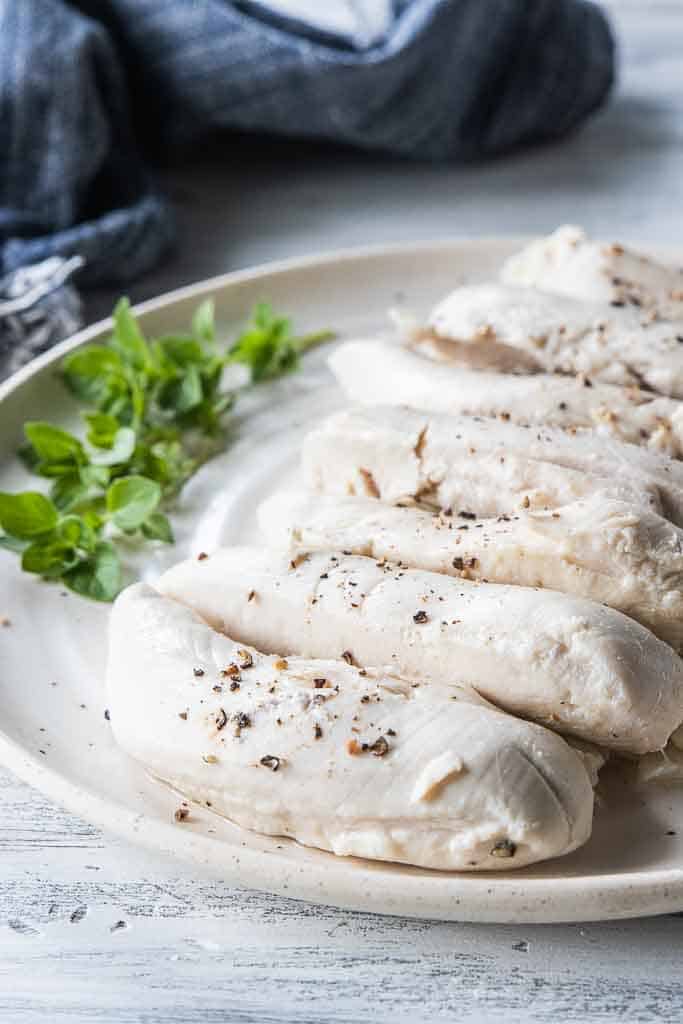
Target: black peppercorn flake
{"x": 504, "y": 848}
{"x": 246, "y": 660}
{"x": 380, "y": 747}
{"x": 242, "y": 720}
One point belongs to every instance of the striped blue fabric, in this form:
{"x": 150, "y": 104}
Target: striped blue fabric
{"x": 92, "y": 91}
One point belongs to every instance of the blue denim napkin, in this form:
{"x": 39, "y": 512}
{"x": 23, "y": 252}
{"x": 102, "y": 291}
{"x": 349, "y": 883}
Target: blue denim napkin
{"x": 93, "y": 91}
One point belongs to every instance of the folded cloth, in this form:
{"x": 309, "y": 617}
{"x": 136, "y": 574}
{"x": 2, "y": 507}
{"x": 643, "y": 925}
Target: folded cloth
{"x": 92, "y": 90}
{"x": 38, "y": 307}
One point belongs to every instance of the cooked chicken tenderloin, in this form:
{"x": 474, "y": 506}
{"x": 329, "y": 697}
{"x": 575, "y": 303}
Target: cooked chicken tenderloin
{"x": 525, "y": 319}
{"x": 482, "y": 466}
{"x": 373, "y": 372}
{"x": 363, "y": 765}
{"x": 486, "y": 324}
{"x": 569, "y": 263}
{"x": 562, "y": 661}
{"x": 609, "y": 551}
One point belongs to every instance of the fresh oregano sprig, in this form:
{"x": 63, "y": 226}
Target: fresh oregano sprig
{"x": 156, "y": 412}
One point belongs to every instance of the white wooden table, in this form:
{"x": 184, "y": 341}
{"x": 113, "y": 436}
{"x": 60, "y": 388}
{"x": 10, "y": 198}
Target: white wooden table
{"x": 92, "y": 930}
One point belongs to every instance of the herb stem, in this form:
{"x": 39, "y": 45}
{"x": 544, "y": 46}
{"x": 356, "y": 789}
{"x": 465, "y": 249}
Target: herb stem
{"x": 306, "y": 341}
{"x": 155, "y": 414}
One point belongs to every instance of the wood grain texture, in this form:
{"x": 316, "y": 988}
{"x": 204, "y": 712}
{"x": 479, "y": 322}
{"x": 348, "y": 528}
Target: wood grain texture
{"x": 92, "y": 930}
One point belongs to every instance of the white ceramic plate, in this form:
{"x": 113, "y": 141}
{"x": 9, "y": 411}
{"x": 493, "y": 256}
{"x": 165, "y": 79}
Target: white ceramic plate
{"x": 52, "y": 727}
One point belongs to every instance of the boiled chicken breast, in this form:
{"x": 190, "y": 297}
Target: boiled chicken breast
{"x": 565, "y": 662}
{"x": 374, "y": 372}
{"x": 484, "y": 325}
{"x": 514, "y": 316}
{"x": 662, "y": 765}
{"x": 609, "y": 551}
{"x": 483, "y": 467}
{"x": 569, "y": 263}
{"x": 360, "y": 763}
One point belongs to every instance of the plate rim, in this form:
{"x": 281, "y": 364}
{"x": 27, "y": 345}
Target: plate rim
{"x": 649, "y": 894}
{"x": 243, "y": 276}
{"x": 643, "y": 892}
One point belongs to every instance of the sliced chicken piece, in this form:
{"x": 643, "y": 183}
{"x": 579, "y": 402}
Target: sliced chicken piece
{"x": 593, "y": 758}
{"x": 482, "y": 466}
{"x": 363, "y": 765}
{"x": 381, "y": 373}
{"x": 485, "y": 325}
{"x": 565, "y": 662}
{"x": 569, "y": 263}
{"x": 661, "y": 765}
{"x": 481, "y": 351}
{"x": 522, "y": 319}
{"x": 609, "y": 551}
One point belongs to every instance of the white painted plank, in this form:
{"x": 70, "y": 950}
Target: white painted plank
{"x": 94, "y": 930}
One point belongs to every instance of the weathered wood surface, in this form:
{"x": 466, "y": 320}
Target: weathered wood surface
{"x": 95, "y": 931}
{"x": 92, "y": 930}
